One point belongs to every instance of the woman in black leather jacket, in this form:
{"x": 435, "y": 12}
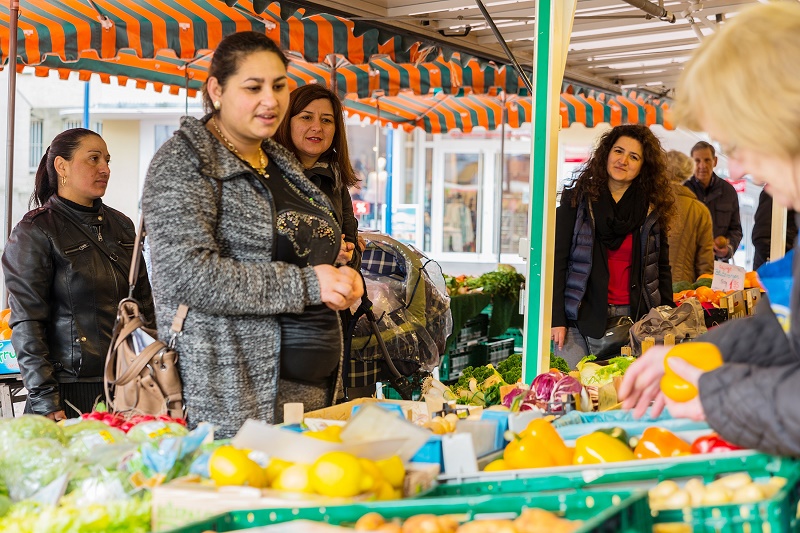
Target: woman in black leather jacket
{"x": 65, "y": 267}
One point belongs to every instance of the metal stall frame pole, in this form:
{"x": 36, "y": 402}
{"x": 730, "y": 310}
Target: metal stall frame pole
{"x": 13, "y": 8}
{"x": 553, "y": 28}
{"x": 13, "y": 15}
{"x": 502, "y": 42}
{"x": 499, "y": 197}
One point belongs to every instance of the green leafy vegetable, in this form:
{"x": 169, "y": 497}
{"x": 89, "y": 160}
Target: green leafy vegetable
{"x": 502, "y": 283}
{"x": 559, "y": 363}
{"x": 617, "y": 366}
{"x": 511, "y": 368}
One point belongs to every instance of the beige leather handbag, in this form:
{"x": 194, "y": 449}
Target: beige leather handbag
{"x": 141, "y": 372}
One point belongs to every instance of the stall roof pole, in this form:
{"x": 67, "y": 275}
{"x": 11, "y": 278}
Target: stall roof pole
{"x": 553, "y": 28}
{"x": 506, "y": 49}
{"x": 13, "y": 6}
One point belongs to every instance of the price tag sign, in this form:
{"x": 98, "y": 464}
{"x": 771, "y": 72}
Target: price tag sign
{"x": 727, "y": 277}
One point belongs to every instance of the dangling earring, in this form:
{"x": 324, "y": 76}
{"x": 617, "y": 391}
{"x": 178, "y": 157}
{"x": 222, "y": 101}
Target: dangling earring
{"x": 64, "y": 180}
{"x": 216, "y": 105}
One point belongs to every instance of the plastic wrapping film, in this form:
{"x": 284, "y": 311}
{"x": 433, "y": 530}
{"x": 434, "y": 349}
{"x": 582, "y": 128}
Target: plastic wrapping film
{"x": 410, "y": 303}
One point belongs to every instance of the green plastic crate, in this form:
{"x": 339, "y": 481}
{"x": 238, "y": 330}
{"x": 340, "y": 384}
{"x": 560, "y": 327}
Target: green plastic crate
{"x": 606, "y": 512}
{"x": 778, "y": 513}
{"x": 513, "y": 333}
{"x": 496, "y": 350}
{"x": 391, "y": 394}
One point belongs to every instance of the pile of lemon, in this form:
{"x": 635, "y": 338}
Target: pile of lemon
{"x": 336, "y": 474}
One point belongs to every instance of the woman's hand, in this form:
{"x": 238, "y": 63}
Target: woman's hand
{"x": 692, "y": 409}
{"x": 339, "y": 287}
{"x": 642, "y": 383}
{"x": 345, "y": 253}
{"x": 56, "y": 416}
{"x": 558, "y": 334}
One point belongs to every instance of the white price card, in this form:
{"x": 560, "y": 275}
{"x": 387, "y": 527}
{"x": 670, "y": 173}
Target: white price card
{"x": 727, "y": 277}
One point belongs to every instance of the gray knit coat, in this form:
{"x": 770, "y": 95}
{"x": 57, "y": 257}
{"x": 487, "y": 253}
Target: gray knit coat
{"x": 210, "y": 228}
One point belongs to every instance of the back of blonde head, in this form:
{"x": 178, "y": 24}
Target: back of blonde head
{"x": 745, "y": 79}
{"x": 681, "y": 166}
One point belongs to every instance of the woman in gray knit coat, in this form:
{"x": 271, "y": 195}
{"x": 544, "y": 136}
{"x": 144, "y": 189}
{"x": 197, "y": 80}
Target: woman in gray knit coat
{"x": 239, "y": 235}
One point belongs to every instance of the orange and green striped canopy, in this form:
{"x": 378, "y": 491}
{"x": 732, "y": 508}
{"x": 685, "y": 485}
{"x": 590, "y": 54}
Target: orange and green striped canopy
{"x": 169, "y": 44}
{"x": 439, "y": 113}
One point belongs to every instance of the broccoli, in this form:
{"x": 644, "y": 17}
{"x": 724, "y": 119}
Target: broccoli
{"x": 511, "y": 368}
{"x": 559, "y": 363}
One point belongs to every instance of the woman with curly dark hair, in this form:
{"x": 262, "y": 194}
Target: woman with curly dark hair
{"x": 611, "y": 253}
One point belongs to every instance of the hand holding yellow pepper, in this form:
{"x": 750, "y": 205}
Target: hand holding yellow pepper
{"x": 703, "y": 355}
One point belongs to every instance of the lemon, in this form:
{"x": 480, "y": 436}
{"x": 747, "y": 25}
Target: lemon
{"x": 496, "y": 466}
{"x": 294, "y": 478}
{"x": 274, "y": 468}
{"x": 232, "y": 466}
{"x": 384, "y": 491}
{"x": 339, "y": 474}
{"x": 372, "y": 474}
{"x": 392, "y": 470}
{"x": 330, "y": 434}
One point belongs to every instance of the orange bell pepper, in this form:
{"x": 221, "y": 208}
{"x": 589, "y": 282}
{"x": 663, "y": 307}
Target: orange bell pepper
{"x": 658, "y": 442}
{"x": 703, "y": 355}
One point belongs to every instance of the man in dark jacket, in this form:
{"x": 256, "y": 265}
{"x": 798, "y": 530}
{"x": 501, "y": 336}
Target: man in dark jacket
{"x": 719, "y": 196}
{"x": 762, "y": 230}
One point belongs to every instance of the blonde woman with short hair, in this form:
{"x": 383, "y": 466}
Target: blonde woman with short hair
{"x": 743, "y": 88}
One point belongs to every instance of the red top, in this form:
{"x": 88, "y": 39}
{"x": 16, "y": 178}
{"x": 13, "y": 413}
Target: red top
{"x": 619, "y": 273}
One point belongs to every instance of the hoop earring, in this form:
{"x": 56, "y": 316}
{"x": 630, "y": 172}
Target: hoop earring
{"x": 216, "y": 105}
{"x": 64, "y": 180}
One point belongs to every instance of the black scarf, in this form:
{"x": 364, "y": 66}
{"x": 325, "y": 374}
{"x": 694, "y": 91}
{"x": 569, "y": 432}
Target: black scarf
{"x": 616, "y": 220}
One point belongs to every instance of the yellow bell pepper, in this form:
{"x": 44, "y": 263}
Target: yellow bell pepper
{"x": 549, "y": 440}
{"x": 597, "y": 447}
{"x": 703, "y": 355}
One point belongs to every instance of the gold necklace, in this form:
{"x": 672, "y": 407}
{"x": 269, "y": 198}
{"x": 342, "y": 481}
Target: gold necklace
{"x": 262, "y": 157}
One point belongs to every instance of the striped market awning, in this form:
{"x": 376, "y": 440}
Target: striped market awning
{"x": 168, "y": 44}
{"x": 439, "y": 113}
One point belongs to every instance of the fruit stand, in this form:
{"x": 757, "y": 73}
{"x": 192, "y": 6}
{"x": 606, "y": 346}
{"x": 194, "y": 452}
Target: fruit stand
{"x": 486, "y": 453}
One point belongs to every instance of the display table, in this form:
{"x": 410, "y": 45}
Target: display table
{"x": 11, "y": 388}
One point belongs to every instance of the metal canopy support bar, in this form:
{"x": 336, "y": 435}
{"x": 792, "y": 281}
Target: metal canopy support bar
{"x": 652, "y": 9}
{"x": 522, "y": 74}
{"x": 13, "y": 6}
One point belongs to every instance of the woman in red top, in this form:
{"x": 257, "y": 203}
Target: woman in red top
{"x": 611, "y": 252}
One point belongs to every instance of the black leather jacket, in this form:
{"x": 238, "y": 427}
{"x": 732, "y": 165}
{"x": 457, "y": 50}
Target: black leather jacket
{"x": 63, "y": 293}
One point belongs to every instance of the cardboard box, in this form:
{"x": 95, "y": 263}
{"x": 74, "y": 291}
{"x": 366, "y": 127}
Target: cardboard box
{"x": 411, "y": 410}
{"x": 188, "y": 500}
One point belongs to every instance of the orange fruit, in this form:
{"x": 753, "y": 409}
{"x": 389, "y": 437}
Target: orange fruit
{"x": 704, "y": 292}
{"x": 5, "y": 334}
{"x": 705, "y": 276}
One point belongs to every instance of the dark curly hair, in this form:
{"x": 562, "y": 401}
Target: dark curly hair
{"x": 654, "y": 174}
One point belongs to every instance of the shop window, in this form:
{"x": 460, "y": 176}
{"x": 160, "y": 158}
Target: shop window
{"x": 516, "y": 200}
{"x": 96, "y": 127}
{"x": 36, "y": 144}
{"x": 462, "y": 202}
